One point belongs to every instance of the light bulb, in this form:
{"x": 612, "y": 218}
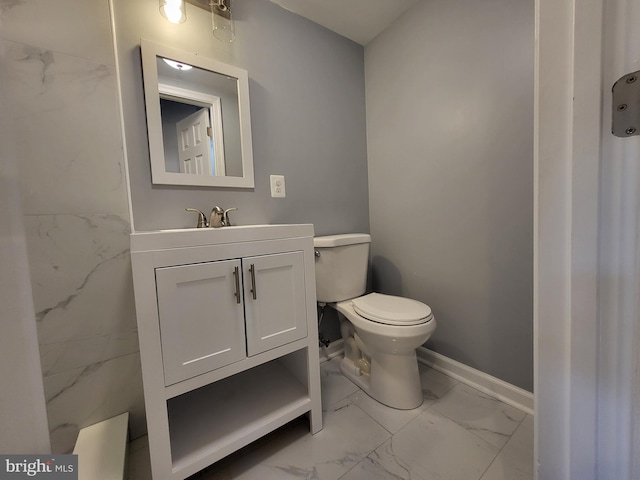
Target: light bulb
{"x": 173, "y": 10}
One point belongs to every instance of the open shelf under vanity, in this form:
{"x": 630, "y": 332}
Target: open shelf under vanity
{"x": 210, "y": 422}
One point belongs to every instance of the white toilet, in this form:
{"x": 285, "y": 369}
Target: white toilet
{"x": 381, "y": 332}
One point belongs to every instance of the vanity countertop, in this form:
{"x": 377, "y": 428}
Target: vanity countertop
{"x": 193, "y": 237}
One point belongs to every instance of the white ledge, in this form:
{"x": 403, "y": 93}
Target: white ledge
{"x": 102, "y": 449}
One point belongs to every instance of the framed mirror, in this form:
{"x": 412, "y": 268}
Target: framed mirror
{"x": 198, "y": 120}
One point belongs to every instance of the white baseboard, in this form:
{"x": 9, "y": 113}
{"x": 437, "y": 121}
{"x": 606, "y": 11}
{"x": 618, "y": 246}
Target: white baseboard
{"x": 499, "y": 389}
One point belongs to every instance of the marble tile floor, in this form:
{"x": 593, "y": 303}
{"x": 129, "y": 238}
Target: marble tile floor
{"x": 458, "y": 433}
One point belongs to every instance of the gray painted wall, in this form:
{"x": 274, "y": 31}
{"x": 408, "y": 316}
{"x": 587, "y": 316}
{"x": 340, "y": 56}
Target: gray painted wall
{"x": 307, "y": 109}
{"x": 449, "y": 93}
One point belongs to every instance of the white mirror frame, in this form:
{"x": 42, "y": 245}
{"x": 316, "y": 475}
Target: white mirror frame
{"x": 150, "y": 51}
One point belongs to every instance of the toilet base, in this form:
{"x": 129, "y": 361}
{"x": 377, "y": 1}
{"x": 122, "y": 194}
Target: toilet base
{"x": 396, "y": 386}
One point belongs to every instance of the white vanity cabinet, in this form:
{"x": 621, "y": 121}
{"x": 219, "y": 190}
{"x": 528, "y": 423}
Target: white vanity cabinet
{"x": 228, "y": 339}
{"x": 206, "y": 310}
{"x": 201, "y": 324}
{"x": 274, "y": 300}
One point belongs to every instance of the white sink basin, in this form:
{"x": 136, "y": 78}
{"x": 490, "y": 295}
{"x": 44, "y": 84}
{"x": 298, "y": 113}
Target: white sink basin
{"x": 192, "y": 237}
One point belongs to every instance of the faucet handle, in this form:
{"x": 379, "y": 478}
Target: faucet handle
{"x": 202, "y": 220}
{"x": 217, "y": 217}
{"x": 225, "y": 216}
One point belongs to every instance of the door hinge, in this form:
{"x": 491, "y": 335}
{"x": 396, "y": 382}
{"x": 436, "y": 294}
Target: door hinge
{"x": 626, "y": 106}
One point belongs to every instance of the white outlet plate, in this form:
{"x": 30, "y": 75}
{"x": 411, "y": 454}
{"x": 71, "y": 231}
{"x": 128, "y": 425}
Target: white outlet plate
{"x": 277, "y": 186}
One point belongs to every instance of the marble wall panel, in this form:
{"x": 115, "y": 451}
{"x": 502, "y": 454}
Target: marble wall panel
{"x": 87, "y": 395}
{"x": 81, "y": 28}
{"x": 82, "y": 288}
{"x": 67, "y": 131}
{"x": 62, "y": 83}
{"x": 83, "y": 294}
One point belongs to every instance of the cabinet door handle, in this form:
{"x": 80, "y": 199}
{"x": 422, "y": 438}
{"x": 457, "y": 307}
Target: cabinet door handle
{"x": 252, "y": 270}
{"x": 236, "y": 274}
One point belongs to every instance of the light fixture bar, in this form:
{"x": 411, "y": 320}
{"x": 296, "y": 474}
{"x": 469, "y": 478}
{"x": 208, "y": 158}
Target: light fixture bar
{"x": 221, "y": 17}
{"x": 223, "y": 26}
{"x": 204, "y": 4}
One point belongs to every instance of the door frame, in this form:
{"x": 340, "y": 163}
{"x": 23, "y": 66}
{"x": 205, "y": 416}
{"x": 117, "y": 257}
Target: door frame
{"x": 583, "y": 374}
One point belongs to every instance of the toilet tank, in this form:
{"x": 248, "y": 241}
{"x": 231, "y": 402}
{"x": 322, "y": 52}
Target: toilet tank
{"x": 341, "y": 266}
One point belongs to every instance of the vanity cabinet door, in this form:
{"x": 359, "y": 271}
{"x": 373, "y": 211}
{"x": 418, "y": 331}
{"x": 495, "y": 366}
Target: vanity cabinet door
{"x": 275, "y": 301}
{"x": 201, "y": 318}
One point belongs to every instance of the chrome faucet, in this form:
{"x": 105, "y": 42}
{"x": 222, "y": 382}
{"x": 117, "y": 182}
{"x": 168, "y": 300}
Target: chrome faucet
{"x": 225, "y": 219}
{"x": 217, "y": 217}
{"x": 220, "y": 217}
{"x": 202, "y": 220}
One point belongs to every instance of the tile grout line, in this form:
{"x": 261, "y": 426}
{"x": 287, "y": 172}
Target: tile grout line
{"x": 490, "y": 463}
{"x": 370, "y": 416}
{"x": 503, "y": 447}
{"x": 473, "y": 432}
{"x": 372, "y": 451}
{"x": 348, "y": 397}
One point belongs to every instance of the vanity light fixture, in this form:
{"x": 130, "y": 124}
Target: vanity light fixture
{"x": 221, "y": 18}
{"x": 173, "y": 10}
{"x": 223, "y": 28}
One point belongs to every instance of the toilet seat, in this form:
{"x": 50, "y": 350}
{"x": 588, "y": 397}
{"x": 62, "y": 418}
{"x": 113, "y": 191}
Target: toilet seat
{"x": 392, "y": 310}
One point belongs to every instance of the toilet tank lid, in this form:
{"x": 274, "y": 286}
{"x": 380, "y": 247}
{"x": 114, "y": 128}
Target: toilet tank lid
{"x": 340, "y": 240}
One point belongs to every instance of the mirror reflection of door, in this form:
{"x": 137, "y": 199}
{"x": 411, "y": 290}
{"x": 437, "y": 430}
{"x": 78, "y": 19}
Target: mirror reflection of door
{"x": 192, "y": 132}
{"x": 195, "y": 149}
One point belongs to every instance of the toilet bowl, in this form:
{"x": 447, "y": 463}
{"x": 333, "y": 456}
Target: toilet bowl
{"x": 380, "y": 332}
{"x": 382, "y": 358}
